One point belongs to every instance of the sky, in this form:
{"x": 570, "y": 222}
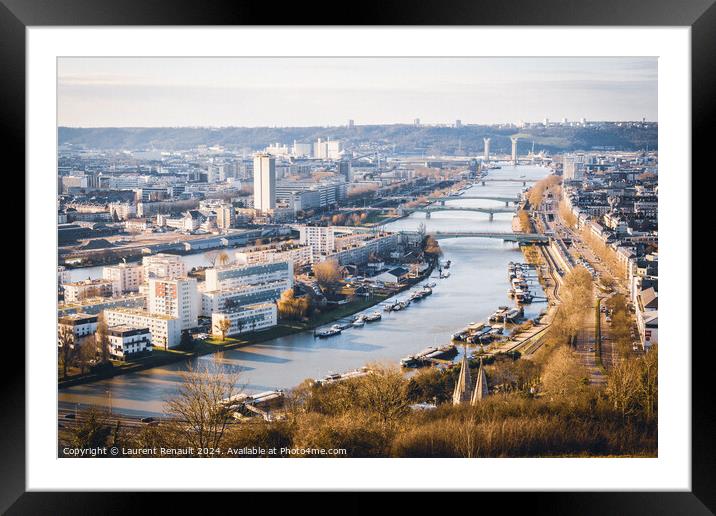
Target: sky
{"x": 260, "y": 92}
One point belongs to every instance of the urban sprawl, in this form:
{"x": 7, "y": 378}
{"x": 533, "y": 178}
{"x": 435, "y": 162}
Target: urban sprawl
{"x": 295, "y": 231}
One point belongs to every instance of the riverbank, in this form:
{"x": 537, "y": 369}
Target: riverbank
{"x": 161, "y": 357}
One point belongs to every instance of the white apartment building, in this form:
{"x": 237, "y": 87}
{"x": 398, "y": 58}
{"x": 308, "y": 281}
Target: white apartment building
{"x": 126, "y": 342}
{"x": 246, "y": 319}
{"x": 573, "y": 166}
{"x": 176, "y": 297}
{"x": 264, "y": 182}
{"x": 234, "y": 276}
{"x": 298, "y": 255}
{"x": 321, "y": 239}
{"x": 126, "y": 277}
{"x": 361, "y": 250}
{"x": 81, "y": 325}
{"x": 163, "y": 266}
{"x": 217, "y": 300}
{"x": 80, "y": 290}
{"x": 165, "y": 330}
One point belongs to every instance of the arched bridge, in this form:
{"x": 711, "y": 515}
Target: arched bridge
{"x": 431, "y": 208}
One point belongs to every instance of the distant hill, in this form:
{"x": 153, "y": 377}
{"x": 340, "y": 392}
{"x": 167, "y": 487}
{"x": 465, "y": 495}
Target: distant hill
{"x": 406, "y": 138}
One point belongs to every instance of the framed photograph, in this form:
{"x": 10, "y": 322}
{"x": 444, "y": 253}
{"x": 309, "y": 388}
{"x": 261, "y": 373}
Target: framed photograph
{"x": 425, "y": 246}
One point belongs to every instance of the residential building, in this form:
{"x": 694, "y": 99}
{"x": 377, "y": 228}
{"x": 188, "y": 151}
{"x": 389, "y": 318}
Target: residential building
{"x": 80, "y": 290}
{"x": 81, "y": 324}
{"x": 95, "y": 305}
{"x": 126, "y": 277}
{"x": 126, "y": 342}
{"x": 297, "y": 254}
{"x": 175, "y": 297}
{"x": 165, "y": 330}
{"x": 163, "y": 265}
{"x": 321, "y": 239}
{"x": 248, "y": 318}
{"x": 222, "y": 300}
{"x": 233, "y": 276}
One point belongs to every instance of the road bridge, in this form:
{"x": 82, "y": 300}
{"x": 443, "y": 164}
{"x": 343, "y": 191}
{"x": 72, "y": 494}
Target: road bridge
{"x": 506, "y": 200}
{"x": 530, "y": 238}
{"x": 429, "y": 209}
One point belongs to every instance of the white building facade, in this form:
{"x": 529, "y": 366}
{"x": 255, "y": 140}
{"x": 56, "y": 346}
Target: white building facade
{"x": 175, "y": 297}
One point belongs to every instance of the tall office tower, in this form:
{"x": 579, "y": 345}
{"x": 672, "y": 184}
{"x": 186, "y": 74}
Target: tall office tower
{"x": 264, "y": 182}
{"x": 514, "y": 149}
{"x": 486, "y": 154}
{"x": 416, "y": 122}
{"x": 458, "y": 124}
{"x": 351, "y": 124}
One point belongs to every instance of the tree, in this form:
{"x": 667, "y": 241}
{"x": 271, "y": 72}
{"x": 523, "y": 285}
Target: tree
{"x": 86, "y": 353}
{"x": 223, "y": 259}
{"x": 187, "y": 341}
{"x": 623, "y": 386}
{"x": 199, "y": 416}
{"x": 219, "y": 258}
{"x": 66, "y": 348}
{"x": 422, "y": 231}
{"x": 431, "y": 247}
{"x": 649, "y": 385}
{"x": 564, "y": 378}
{"x": 291, "y": 307}
{"x": 524, "y": 218}
{"x": 223, "y": 326}
{"x": 90, "y": 431}
{"x": 102, "y": 338}
{"x": 383, "y": 393}
{"x": 327, "y": 273}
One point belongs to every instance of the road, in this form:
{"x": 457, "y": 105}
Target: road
{"x": 586, "y": 349}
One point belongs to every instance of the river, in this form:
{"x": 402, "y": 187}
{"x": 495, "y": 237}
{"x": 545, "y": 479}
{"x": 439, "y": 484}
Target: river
{"x": 477, "y": 285}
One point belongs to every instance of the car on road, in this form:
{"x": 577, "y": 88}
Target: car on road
{"x": 69, "y": 416}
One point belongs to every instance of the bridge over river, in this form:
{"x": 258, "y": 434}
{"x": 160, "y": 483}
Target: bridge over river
{"x": 531, "y": 238}
{"x": 431, "y": 208}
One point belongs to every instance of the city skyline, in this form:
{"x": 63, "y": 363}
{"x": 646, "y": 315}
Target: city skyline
{"x": 302, "y": 92}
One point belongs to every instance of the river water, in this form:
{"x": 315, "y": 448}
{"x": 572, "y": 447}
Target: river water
{"x": 477, "y": 285}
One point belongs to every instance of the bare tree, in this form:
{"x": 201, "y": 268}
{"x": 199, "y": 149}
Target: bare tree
{"x": 66, "y": 348}
{"x": 102, "y": 338}
{"x": 384, "y": 393}
{"x": 212, "y": 257}
{"x": 199, "y": 415}
{"x": 223, "y": 258}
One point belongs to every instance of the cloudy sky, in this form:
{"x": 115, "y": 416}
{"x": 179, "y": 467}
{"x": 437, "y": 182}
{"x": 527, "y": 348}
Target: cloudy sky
{"x": 145, "y": 92}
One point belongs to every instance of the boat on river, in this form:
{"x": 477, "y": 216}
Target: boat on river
{"x": 330, "y": 332}
{"x": 375, "y": 316}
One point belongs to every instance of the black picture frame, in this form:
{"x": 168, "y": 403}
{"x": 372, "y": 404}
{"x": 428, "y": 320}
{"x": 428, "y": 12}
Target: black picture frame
{"x": 700, "y": 15}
